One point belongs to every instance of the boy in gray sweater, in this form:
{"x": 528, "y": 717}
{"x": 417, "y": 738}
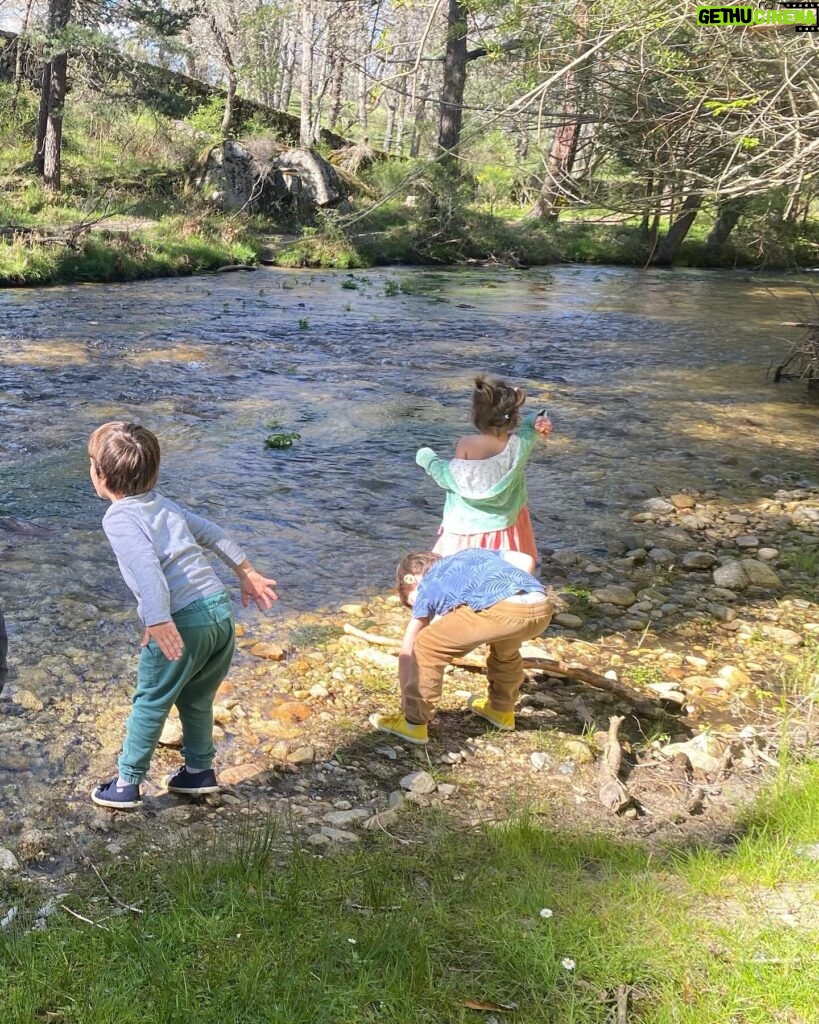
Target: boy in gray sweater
{"x": 188, "y": 641}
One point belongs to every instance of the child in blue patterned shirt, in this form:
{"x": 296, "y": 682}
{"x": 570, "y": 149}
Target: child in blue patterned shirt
{"x": 479, "y": 597}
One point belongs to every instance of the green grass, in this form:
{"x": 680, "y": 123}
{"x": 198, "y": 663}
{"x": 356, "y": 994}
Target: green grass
{"x": 130, "y": 161}
{"x": 803, "y": 560}
{"x": 261, "y": 931}
{"x": 579, "y": 600}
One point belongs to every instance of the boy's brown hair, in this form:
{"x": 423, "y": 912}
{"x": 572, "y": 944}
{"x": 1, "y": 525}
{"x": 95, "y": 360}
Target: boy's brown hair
{"x": 126, "y": 456}
{"x": 495, "y": 405}
{"x": 415, "y": 564}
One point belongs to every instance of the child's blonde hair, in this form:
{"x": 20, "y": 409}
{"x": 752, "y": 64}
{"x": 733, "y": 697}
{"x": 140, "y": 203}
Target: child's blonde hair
{"x": 125, "y": 456}
{"x": 495, "y": 405}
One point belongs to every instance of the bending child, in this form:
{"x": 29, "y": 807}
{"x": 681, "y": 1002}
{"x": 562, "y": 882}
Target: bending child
{"x": 486, "y": 497}
{"x": 188, "y": 641}
{"x": 481, "y": 597}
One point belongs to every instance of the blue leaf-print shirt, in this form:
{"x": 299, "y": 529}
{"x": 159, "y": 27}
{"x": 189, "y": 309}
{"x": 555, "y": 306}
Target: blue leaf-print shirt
{"x": 476, "y": 577}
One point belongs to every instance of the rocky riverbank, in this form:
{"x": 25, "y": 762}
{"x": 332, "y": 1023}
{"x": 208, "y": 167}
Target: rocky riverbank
{"x": 705, "y": 606}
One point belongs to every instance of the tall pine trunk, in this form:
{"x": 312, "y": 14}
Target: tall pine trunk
{"x": 53, "y": 147}
{"x": 452, "y": 89}
{"x": 42, "y": 119}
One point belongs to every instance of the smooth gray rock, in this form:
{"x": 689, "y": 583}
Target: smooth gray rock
{"x": 744, "y": 573}
{"x": 694, "y": 560}
{"x": 615, "y": 594}
{"x": 418, "y": 782}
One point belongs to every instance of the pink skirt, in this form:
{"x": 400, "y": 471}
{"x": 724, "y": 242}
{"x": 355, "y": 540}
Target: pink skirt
{"x": 517, "y": 537}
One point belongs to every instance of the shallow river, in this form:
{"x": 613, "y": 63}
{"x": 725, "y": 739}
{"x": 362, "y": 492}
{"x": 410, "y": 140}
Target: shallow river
{"x": 651, "y": 376}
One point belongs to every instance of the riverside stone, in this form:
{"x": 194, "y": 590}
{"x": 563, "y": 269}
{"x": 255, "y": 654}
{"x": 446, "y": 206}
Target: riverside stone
{"x": 744, "y": 573}
{"x": 8, "y": 862}
{"x": 269, "y": 651}
{"x": 615, "y": 594}
{"x": 567, "y": 621}
{"x": 346, "y": 817}
{"x": 734, "y": 677}
{"x": 658, "y": 505}
{"x": 304, "y": 754}
{"x": 418, "y": 782}
{"x": 680, "y": 501}
{"x": 338, "y": 835}
{"x": 694, "y": 560}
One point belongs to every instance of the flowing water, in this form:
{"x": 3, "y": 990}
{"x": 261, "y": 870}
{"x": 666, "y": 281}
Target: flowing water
{"x": 653, "y": 376}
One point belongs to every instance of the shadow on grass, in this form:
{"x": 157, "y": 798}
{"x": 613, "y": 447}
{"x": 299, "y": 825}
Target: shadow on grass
{"x": 414, "y": 928}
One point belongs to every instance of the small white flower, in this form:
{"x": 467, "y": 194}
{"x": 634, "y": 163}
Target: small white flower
{"x": 546, "y": 912}
{"x": 352, "y": 941}
{"x": 568, "y": 963}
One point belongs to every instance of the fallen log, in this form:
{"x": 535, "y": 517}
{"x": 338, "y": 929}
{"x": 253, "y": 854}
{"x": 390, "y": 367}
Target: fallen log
{"x": 551, "y": 666}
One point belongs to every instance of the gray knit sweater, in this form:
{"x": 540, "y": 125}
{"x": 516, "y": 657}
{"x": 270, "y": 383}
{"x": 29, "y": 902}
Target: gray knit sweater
{"x": 159, "y": 545}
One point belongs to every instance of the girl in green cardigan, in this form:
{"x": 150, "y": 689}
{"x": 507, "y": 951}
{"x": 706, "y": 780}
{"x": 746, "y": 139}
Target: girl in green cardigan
{"x": 485, "y": 486}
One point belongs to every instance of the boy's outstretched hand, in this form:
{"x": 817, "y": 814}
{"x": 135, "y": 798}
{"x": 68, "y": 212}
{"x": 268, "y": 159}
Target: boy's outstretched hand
{"x": 258, "y": 588}
{"x": 167, "y": 639}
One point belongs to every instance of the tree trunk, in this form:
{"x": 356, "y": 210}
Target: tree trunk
{"x": 191, "y": 69}
{"x": 42, "y": 119}
{"x": 363, "y": 90}
{"x": 336, "y": 88}
{"x": 418, "y": 112}
{"x": 563, "y": 150}
{"x": 390, "y": 104}
{"x": 647, "y": 212}
{"x": 52, "y": 150}
{"x": 398, "y": 145}
{"x": 306, "y": 81}
{"x": 728, "y": 214}
{"x": 452, "y": 89}
{"x": 232, "y": 76}
{"x": 48, "y": 142}
{"x": 18, "y": 59}
{"x": 677, "y": 230}
{"x": 288, "y": 69}
{"x": 559, "y": 165}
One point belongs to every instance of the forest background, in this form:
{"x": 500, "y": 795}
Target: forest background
{"x": 504, "y": 130}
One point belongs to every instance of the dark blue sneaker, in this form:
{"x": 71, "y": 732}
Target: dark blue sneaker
{"x": 109, "y": 794}
{"x": 193, "y": 783}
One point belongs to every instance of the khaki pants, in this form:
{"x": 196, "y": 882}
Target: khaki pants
{"x": 504, "y": 626}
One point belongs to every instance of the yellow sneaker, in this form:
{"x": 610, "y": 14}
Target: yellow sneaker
{"x": 504, "y": 720}
{"x": 399, "y": 726}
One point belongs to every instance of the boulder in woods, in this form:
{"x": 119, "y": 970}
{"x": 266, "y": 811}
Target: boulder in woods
{"x": 264, "y": 177}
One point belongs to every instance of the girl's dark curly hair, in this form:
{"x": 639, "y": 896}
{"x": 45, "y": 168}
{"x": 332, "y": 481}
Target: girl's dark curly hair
{"x": 496, "y": 405}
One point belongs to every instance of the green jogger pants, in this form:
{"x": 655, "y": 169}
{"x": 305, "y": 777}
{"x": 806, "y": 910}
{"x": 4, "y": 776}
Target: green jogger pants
{"x": 207, "y": 631}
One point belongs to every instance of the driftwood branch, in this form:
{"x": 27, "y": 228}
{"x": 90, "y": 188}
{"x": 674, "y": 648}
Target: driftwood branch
{"x": 613, "y": 794}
